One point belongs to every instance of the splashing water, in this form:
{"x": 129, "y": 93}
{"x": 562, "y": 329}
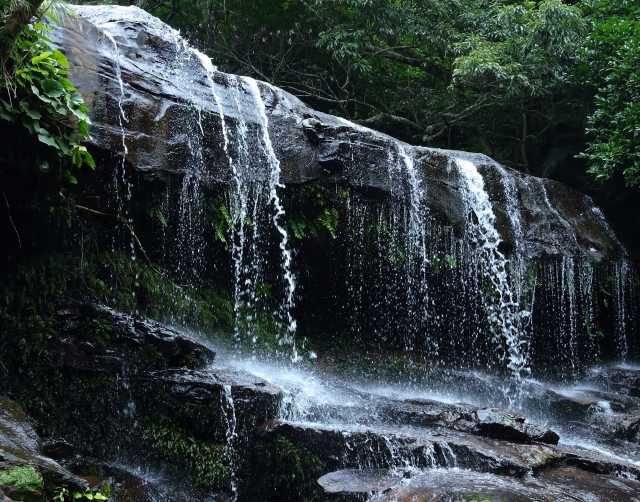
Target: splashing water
{"x": 230, "y": 416}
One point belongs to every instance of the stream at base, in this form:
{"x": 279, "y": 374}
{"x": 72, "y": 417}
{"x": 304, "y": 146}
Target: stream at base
{"x": 395, "y": 445}
{"x": 314, "y": 396}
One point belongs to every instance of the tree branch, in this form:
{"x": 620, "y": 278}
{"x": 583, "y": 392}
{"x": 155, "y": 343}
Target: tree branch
{"x": 15, "y": 24}
{"x": 425, "y": 65}
{"x": 126, "y": 224}
{"x": 11, "y": 219}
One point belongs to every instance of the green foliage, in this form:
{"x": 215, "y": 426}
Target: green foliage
{"x": 312, "y": 211}
{"x": 611, "y": 58}
{"x": 206, "y": 462}
{"x": 62, "y": 494}
{"x": 285, "y": 471}
{"x": 24, "y": 477}
{"x": 38, "y": 96}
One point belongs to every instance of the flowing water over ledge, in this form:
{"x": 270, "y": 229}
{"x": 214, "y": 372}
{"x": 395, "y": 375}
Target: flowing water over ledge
{"x": 429, "y": 286}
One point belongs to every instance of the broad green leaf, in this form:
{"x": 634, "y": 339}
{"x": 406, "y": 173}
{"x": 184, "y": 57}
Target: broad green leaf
{"x": 83, "y": 128}
{"x": 75, "y": 97}
{"x": 64, "y": 146}
{"x": 45, "y": 137}
{"x": 52, "y": 88}
{"x": 77, "y": 157}
{"x": 34, "y": 114}
{"x": 72, "y": 179}
{"x": 41, "y": 96}
{"x": 88, "y": 159}
{"x": 40, "y": 57}
{"x": 7, "y": 116}
{"x": 80, "y": 112}
{"x": 59, "y": 57}
{"x": 62, "y": 110}
{"x": 31, "y": 124}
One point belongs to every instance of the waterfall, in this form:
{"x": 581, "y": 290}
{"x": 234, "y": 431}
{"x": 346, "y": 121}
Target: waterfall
{"x": 230, "y": 416}
{"x": 120, "y": 173}
{"x": 274, "y": 184}
{"x": 504, "y": 311}
{"x": 420, "y": 265}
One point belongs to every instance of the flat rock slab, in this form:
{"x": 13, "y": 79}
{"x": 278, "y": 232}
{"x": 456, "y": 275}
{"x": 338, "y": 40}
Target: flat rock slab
{"x": 20, "y": 446}
{"x": 207, "y": 403}
{"x": 360, "y": 480}
{"x": 131, "y": 335}
{"x": 555, "y": 485}
{"x": 622, "y": 379}
{"x": 489, "y": 422}
{"x": 348, "y": 448}
{"x": 201, "y": 385}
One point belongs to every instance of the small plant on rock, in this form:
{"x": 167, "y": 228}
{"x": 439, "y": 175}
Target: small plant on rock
{"x": 24, "y": 477}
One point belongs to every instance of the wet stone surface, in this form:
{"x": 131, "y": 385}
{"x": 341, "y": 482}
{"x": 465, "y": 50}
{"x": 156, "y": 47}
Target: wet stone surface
{"x": 442, "y": 485}
{"x": 20, "y": 448}
{"x": 310, "y": 145}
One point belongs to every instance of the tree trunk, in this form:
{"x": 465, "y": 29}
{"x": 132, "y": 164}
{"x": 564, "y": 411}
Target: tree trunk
{"x": 18, "y": 19}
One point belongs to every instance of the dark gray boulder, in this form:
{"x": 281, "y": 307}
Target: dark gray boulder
{"x": 122, "y": 57}
{"x": 134, "y": 342}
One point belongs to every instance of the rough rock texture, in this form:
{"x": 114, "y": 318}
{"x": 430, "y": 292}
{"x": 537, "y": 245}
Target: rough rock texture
{"x": 488, "y": 422}
{"x": 173, "y": 125}
{"x": 377, "y": 448}
{"x": 555, "y": 485}
{"x": 15, "y": 429}
{"x": 204, "y": 402}
{"x": 128, "y": 335}
{"x": 20, "y": 446}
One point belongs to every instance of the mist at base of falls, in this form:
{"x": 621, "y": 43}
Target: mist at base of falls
{"x": 318, "y": 394}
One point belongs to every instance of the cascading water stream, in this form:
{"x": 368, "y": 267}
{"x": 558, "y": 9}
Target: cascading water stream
{"x": 239, "y": 201}
{"x": 123, "y": 212}
{"x": 417, "y": 286}
{"x": 504, "y": 311}
{"x": 274, "y": 183}
{"x": 230, "y": 415}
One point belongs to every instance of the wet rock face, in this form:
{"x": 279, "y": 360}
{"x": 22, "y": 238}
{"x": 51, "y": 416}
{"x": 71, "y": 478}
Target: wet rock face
{"x": 488, "y": 422}
{"x": 500, "y": 424}
{"x": 173, "y": 125}
{"x": 25, "y": 473}
{"x": 15, "y": 429}
{"x": 555, "y": 485}
{"x": 131, "y": 340}
{"x": 206, "y": 402}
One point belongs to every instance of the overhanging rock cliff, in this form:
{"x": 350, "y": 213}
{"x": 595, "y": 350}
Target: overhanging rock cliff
{"x": 152, "y": 98}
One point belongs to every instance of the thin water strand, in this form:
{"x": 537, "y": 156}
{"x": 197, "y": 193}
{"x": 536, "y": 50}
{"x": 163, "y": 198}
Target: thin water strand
{"x": 274, "y": 184}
